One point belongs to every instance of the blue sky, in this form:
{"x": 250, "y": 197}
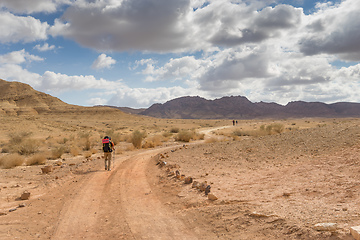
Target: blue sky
{"x": 134, "y": 53}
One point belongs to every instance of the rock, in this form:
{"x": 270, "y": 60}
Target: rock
{"x": 182, "y": 177}
{"x": 203, "y": 186}
{"x": 188, "y": 180}
{"x": 3, "y": 213}
{"x": 260, "y": 215}
{"x": 212, "y": 197}
{"x": 177, "y": 172}
{"x": 21, "y": 205}
{"x": 59, "y": 163}
{"x": 207, "y": 189}
{"x": 195, "y": 184}
{"x": 330, "y": 227}
{"x": 355, "y": 232}
{"x": 47, "y": 169}
{"x": 25, "y": 195}
{"x": 12, "y": 210}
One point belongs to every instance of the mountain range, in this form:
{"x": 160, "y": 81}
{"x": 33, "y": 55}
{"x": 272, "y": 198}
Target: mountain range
{"x": 19, "y": 98}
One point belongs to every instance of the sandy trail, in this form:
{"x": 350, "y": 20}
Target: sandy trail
{"x": 119, "y": 205}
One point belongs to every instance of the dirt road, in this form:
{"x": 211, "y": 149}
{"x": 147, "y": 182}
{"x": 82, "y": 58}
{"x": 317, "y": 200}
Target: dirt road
{"x": 119, "y": 204}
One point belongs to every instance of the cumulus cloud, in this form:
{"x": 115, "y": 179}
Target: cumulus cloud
{"x": 26, "y": 6}
{"x": 21, "y": 29}
{"x": 336, "y": 30}
{"x": 144, "y": 97}
{"x": 103, "y": 61}
{"x": 18, "y": 57}
{"x": 155, "y": 25}
{"x": 11, "y": 69}
{"x": 45, "y": 47}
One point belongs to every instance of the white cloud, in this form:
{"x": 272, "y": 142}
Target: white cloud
{"x": 144, "y": 97}
{"x": 31, "y": 6}
{"x": 21, "y": 29}
{"x": 334, "y": 30}
{"x": 45, "y": 47}
{"x": 18, "y": 57}
{"x": 103, "y": 61}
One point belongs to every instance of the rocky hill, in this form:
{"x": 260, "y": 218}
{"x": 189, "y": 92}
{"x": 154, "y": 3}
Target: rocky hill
{"x": 21, "y": 99}
{"x": 238, "y": 107}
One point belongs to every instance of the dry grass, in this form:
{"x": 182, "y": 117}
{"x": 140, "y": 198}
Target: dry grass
{"x": 188, "y": 135}
{"x": 37, "y": 159}
{"x": 57, "y": 152}
{"x": 137, "y": 138}
{"x": 273, "y": 128}
{"x": 11, "y": 160}
{"x": 153, "y": 141}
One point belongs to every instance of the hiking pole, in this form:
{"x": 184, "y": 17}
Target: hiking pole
{"x": 113, "y": 159}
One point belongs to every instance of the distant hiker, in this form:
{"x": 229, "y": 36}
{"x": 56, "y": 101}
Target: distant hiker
{"x": 233, "y": 122}
{"x": 108, "y": 147}
{"x": 236, "y": 122}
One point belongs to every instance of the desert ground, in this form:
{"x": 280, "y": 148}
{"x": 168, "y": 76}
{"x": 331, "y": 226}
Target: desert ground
{"x": 279, "y": 185}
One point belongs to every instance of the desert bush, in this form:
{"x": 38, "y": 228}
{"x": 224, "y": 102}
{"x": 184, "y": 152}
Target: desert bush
{"x": 85, "y": 140}
{"x": 174, "y": 130}
{"x": 185, "y": 136}
{"x": 212, "y": 140}
{"x": 74, "y": 151}
{"x": 20, "y": 142}
{"x": 262, "y": 131}
{"x": 18, "y": 137}
{"x": 277, "y": 127}
{"x": 57, "y": 152}
{"x": 11, "y": 160}
{"x": 37, "y": 159}
{"x": 137, "y": 137}
{"x": 153, "y": 141}
{"x": 27, "y": 147}
{"x": 167, "y": 134}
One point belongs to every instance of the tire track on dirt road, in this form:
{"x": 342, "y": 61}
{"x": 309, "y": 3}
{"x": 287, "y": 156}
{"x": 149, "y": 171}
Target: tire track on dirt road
{"x": 119, "y": 205}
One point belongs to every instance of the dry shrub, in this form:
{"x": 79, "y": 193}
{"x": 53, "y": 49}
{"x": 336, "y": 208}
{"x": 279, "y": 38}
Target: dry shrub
{"x": 27, "y": 147}
{"x": 137, "y": 137}
{"x": 212, "y": 140}
{"x": 87, "y": 154}
{"x": 75, "y": 151}
{"x": 264, "y": 130}
{"x": 167, "y": 134}
{"x": 11, "y": 160}
{"x": 57, "y": 152}
{"x": 21, "y": 143}
{"x": 174, "y": 130}
{"x": 85, "y": 140}
{"x": 152, "y": 142}
{"x": 37, "y": 159}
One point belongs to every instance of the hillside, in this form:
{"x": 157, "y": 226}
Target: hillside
{"x": 18, "y": 98}
{"x": 238, "y": 107}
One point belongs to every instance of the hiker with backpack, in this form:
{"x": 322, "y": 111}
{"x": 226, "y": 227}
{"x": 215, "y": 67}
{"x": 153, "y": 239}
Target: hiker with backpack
{"x": 108, "y": 147}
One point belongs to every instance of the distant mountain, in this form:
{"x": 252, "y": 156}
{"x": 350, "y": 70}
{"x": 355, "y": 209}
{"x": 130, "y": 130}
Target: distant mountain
{"x": 238, "y": 107}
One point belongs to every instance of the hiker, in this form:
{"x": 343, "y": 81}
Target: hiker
{"x": 233, "y": 122}
{"x": 108, "y": 147}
